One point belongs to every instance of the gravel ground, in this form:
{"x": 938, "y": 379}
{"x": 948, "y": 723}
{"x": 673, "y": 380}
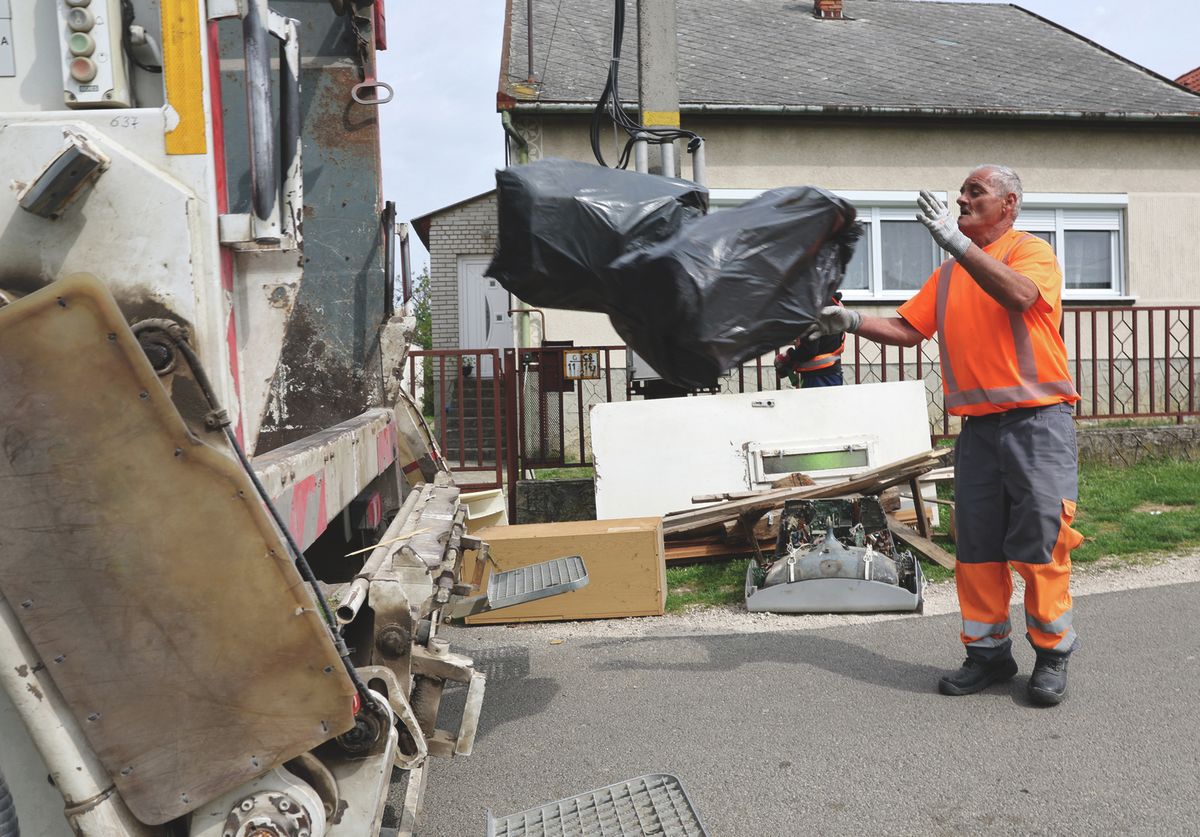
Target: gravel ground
{"x": 1103, "y": 576}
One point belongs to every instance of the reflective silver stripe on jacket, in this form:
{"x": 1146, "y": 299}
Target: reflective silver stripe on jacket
{"x": 1029, "y": 388}
{"x": 822, "y": 361}
{"x": 982, "y": 629}
{"x": 1006, "y": 395}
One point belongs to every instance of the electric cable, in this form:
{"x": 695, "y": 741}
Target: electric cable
{"x": 610, "y": 104}
{"x": 127, "y": 38}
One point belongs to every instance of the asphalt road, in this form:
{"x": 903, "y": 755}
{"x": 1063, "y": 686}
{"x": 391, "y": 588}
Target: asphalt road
{"x": 842, "y": 731}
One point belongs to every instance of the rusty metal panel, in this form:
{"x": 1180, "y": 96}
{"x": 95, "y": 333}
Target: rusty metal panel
{"x": 330, "y": 368}
{"x": 145, "y": 570}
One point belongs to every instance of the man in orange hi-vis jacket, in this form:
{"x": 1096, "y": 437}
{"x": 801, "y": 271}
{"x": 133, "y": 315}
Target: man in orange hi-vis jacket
{"x": 995, "y": 307}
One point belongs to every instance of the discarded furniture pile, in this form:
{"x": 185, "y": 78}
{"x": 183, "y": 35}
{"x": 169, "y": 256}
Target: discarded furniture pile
{"x": 747, "y": 522}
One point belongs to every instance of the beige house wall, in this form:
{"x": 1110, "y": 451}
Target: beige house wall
{"x": 1156, "y": 165}
{"x": 584, "y": 327}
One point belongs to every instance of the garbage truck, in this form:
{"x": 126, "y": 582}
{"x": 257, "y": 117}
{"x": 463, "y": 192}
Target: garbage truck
{"x": 226, "y": 537}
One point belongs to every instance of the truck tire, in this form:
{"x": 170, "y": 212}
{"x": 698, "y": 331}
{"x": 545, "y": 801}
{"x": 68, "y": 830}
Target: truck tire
{"x": 8, "y": 812}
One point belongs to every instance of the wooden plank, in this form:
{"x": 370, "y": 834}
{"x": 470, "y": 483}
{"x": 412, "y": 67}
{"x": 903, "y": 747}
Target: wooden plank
{"x": 938, "y": 474}
{"x": 728, "y": 495}
{"x": 919, "y": 505}
{"x": 906, "y": 516}
{"x": 711, "y": 550}
{"x": 924, "y": 546}
{"x": 871, "y": 482}
{"x": 937, "y": 500}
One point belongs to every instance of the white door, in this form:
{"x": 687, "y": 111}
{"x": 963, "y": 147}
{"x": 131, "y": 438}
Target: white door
{"x": 483, "y": 318}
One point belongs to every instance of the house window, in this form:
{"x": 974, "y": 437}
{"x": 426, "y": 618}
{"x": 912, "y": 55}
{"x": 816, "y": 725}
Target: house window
{"x": 895, "y": 254}
{"x": 1087, "y": 234}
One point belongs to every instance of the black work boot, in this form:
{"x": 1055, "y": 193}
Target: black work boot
{"x": 1048, "y": 683}
{"x": 977, "y": 674}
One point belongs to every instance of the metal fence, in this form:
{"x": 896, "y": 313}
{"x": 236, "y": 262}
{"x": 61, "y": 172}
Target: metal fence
{"x": 1127, "y": 363}
{"x": 519, "y": 412}
{"x": 460, "y": 392}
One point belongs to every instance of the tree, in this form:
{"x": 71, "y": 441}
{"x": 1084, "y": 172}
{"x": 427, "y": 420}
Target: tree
{"x": 422, "y": 310}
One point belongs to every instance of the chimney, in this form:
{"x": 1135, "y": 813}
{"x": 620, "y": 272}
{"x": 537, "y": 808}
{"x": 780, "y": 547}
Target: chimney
{"x": 827, "y": 9}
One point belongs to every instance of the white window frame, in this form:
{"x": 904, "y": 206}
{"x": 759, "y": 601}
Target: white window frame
{"x": 759, "y": 478}
{"x": 875, "y": 206}
{"x": 1060, "y": 213}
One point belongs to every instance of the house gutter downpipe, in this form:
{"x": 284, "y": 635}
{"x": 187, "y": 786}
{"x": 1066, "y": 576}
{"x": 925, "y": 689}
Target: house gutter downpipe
{"x": 521, "y": 142}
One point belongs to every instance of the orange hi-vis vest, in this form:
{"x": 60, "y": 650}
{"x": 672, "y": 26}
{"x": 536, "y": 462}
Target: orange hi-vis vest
{"x": 993, "y": 359}
{"x": 822, "y": 361}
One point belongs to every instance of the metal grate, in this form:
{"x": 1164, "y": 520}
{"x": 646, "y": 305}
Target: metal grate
{"x": 542, "y": 444}
{"x": 537, "y": 581}
{"x": 655, "y": 804}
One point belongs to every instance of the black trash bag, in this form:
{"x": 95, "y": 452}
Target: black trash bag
{"x": 562, "y": 222}
{"x": 733, "y": 285}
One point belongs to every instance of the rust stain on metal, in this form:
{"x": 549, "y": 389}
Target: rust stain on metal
{"x": 336, "y": 120}
{"x": 313, "y": 387}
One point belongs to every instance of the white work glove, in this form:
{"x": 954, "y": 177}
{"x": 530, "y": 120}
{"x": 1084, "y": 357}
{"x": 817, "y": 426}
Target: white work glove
{"x": 834, "y": 319}
{"x": 941, "y": 225}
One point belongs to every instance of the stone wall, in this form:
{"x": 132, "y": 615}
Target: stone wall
{"x": 553, "y": 501}
{"x": 1124, "y": 446}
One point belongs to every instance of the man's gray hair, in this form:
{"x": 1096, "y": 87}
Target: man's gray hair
{"x": 1006, "y": 181}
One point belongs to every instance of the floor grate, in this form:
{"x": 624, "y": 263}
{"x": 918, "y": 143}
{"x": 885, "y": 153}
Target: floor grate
{"x": 649, "y": 806}
{"x": 537, "y": 581}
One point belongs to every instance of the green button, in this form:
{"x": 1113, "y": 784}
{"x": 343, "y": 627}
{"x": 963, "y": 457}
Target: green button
{"x": 82, "y": 44}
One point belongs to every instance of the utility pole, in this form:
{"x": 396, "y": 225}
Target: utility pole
{"x": 658, "y": 83}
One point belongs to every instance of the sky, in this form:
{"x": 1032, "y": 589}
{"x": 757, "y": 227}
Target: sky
{"x": 441, "y": 134}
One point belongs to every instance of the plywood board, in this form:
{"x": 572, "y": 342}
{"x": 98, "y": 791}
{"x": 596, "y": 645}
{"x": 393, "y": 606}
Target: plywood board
{"x": 145, "y": 570}
{"x": 652, "y": 457}
{"x": 624, "y": 559}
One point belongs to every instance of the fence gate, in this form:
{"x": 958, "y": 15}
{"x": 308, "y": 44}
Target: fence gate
{"x": 461, "y": 394}
{"x": 540, "y": 388}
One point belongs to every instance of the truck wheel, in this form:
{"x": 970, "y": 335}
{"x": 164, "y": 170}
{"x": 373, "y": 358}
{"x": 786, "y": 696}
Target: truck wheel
{"x": 8, "y": 812}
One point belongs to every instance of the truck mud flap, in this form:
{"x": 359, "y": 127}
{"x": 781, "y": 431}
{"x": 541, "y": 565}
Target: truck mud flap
{"x": 145, "y": 570}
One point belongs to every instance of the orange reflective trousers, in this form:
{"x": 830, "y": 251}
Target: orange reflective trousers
{"x": 1016, "y": 480}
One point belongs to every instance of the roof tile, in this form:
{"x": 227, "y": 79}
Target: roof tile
{"x": 889, "y": 54}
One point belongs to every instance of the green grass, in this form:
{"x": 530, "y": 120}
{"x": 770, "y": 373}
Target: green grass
{"x": 717, "y": 583}
{"x": 582, "y": 472}
{"x": 936, "y": 572}
{"x": 1123, "y": 513}
{"x": 1128, "y": 512}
